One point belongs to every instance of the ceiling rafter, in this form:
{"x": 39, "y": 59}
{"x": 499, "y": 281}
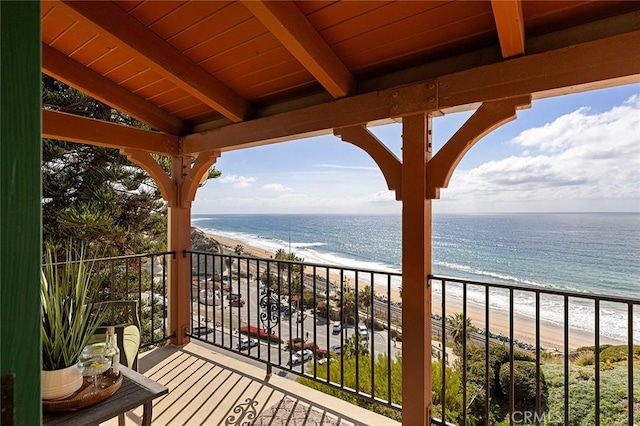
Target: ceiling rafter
{"x": 117, "y": 26}
{"x": 60, "y": 66}
{"x": 73, "y": 128}
{"x": 285, "y": 21}
{"x": 510, "y": 26}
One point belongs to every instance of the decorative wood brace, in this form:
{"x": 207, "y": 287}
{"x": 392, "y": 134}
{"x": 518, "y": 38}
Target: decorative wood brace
{"x": 488, "y": 117}
{"x": 179, "y": 189}
{"x": 389, "y": 164}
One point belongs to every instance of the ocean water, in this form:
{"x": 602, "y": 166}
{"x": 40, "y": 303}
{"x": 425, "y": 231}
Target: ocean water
{"x": 584, "y": 252}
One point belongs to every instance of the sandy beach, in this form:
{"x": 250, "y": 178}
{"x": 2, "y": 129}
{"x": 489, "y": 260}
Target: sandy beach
{"x": 551, "y": 334}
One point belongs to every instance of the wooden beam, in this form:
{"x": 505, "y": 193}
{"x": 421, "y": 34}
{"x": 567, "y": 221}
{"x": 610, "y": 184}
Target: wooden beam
{"x": 73, "y": 128}
{"x": 488, "y": 117}
{"x": 345, "y": 112}
{"x": 510, "y": 26}
{"x": 73, "y": 73}
{"x": 285, "y": 21}
{"x": 416, "y": 268}
{"x": 600, "y": 63}
{"x": 592, "y": 65}
{"x": 389, "y": 164}
{"x": 117, "y": 26}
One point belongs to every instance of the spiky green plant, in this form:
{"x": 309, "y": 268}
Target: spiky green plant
{"x": 68, "y": 318}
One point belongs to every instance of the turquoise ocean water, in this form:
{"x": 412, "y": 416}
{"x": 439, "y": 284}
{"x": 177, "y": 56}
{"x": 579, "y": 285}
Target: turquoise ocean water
{"x": 585, "y": 252}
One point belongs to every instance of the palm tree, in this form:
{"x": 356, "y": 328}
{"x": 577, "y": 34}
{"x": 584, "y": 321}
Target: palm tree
{"x": 348, "y": 305}
{"x": 456, "y": 327}
{"x": 239, "y": 249}
{"x": 364, "y": 298}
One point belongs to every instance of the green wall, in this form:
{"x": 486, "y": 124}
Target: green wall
{"x": 20, "y": 204}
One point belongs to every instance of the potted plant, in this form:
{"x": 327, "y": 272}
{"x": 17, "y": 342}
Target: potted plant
{"x": 68, "y": 320}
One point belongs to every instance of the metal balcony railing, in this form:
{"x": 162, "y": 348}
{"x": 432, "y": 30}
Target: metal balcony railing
{"x": 544, "y": 313}
{"x": 321, "y": 322}
{"x": 338, "y": 327}
{"x": 143, "y": 278}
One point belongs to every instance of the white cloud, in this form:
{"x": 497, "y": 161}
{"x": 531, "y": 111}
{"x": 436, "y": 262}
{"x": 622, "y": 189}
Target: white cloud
{"x": 237, "y": 181}
{"x": 277, "y": 187}
{"x": 579, "y": 156}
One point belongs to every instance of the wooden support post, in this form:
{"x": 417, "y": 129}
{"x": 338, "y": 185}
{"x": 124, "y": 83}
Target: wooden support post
{"x": 416, "y": 267}
{"x": 178, "y": 190}
{"x": 179, "y": 240}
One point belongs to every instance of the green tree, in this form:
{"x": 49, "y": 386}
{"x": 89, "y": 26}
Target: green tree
{"x": 453, "y": 392}
{"x": 239, "y": 249}
{"x": 293, "y": 271}
{"x": 354, "y": 346}
{"x": 499, "y": 356}
{"x": 457, "y": 328}
{"x": 364, "y": 298}
{"x": 524, "y": 385}
{"x": 93, "y": 194}
{"x": 348, "y": 306}
{"x": 380, "y": 388}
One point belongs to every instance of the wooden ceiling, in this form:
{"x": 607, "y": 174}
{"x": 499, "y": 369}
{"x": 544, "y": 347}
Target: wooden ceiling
{"x": 198, "y": 67}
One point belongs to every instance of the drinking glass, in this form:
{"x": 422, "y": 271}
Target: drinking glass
{"x": 93, "y": 362}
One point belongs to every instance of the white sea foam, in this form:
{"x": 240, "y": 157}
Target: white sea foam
{"x": 303, "y": 250}
{"x": 613, "y": 317}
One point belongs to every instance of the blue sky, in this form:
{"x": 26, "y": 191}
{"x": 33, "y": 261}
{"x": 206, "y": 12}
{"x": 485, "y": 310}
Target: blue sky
{"x": 572, "y": 153}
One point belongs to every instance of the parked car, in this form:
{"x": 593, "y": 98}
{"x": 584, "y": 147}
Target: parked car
{"x": 246, "y": 343}
{"x": 337, "y": 349}
{"x": 363, "y": 331}
{"x": 337, "y": 327}
{"x": 209, "y": 297}
{"x": 236, "y": 302}
{"x": 202, "y": 329}
{"x": 301, "y": 356}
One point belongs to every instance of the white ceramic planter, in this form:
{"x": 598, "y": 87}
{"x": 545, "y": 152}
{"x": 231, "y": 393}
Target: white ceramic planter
{"x": 58, "y": 384}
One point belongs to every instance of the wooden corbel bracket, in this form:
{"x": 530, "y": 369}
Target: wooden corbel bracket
{"x": 167, "y": 187}
{"x": 389, "y": 164}
{"x": 489, "y": 116}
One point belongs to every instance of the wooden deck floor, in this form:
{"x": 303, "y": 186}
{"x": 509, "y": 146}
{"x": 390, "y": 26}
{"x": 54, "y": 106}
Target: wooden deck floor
{"x": 209, "y": 388}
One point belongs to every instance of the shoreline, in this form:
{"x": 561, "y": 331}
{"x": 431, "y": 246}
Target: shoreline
{"x": 551, "y": 334}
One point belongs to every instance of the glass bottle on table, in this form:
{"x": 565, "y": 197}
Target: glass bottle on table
{"x": 112, "y": 351}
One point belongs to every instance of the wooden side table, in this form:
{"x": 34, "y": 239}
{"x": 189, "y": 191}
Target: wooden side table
{"x": 136, "y": 390}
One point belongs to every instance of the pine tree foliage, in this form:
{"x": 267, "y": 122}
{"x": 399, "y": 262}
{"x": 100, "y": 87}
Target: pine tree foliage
{"x": 94, "y": 194}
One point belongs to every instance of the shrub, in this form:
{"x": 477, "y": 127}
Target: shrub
{"x": 397, "y": 334}
{"x": 524, "y": 385}
{"x": 307, "y": 299}
{"x": 584, "y": 375}
{"x": 585, "y": 358}
{"x": 592, "y": 348}
{"x": 498, "y": 357}
{"x": 618, "y": 353}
